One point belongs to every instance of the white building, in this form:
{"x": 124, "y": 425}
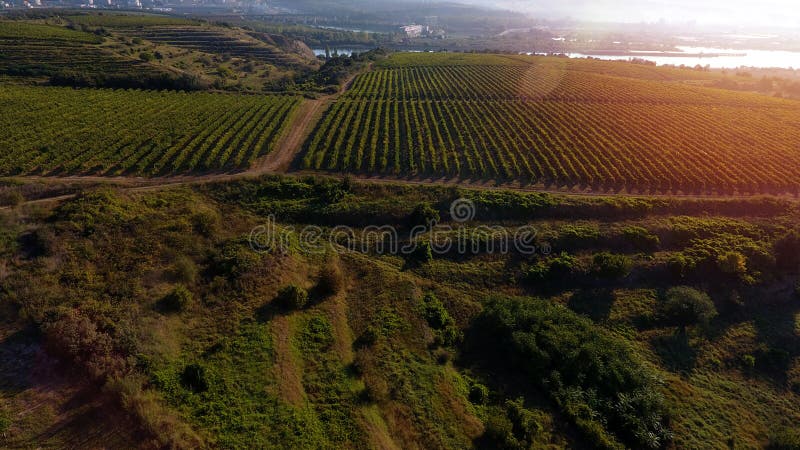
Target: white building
{"x": 413, "y": 31}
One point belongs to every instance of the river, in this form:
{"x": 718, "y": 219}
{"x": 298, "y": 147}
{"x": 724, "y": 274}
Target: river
{"x": 719, "y": 59}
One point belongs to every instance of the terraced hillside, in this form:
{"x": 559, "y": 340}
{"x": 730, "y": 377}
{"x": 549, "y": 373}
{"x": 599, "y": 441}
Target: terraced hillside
{"x": 49, "y": 131}
{"x": 143, "y": 51}
{"x": 570, "y": 123}
{"x": 41, "y": 51}
{"x": 214, "y": 41}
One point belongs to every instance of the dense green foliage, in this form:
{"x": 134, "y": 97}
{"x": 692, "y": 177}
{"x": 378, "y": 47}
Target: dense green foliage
{"x": 684, "y": 306}
{"x": 338, "y": 69}
{"x": 592, "y": 375}
{"x": 131, "y": 132}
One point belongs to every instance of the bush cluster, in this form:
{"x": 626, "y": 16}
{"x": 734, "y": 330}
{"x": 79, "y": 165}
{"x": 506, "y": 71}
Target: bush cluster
{"x": 594, "y": 377}
{"x": 292, "y": 297}
{"x": 437, "y": 317}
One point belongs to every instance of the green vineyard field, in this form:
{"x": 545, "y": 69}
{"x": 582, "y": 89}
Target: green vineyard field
{"x": 555, "y": 121}
{"x": 50, "y": 131}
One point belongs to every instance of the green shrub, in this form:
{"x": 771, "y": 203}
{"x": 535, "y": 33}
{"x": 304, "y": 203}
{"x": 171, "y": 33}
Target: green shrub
{"x": 368, "y": 338}
{"x": 234, "y": 259}
{"x": 578, "y": 236}
{"x": 147, "y": 56}
{"x": 611, "y": 266}
{"x": 748, "y": 362}
{"x": 593, "y": 376}
{"x": 732, "y": 263}
{"x": 178, "y": 300}
{"x": 422, "y": 254}
{"x": 499, "y": 431}
{"x": 680, "y": 266}
{"x": 76, "y": 338}
{"x": 331, "y": 280}
{"x": 183, "y": 270}
{"x": 205, "y": 223}
{"x": 225, "y": 72}
{"x": 684, "y": 306}
{"x": 292, "y": 297}
{"x": 434, "y": 312}
{"x": 641, "y": 239}
{"x": 526, "y": 423}
{"x": 512, "y": 426}
{"x": 424, "y": 214}
{"x": 557, "y": 269}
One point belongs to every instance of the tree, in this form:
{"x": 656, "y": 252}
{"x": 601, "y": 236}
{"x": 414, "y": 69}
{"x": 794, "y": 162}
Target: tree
{"x": 684, "y": 306}
{"x": 424, "y": 214}
{"x": 732, "y": 263}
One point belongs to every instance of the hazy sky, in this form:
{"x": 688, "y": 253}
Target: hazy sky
{"x": 741, "y": 12}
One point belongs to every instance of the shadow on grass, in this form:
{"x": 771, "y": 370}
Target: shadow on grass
{"x": 274, "y": 308}
{"x": 19, "y": 353}
{"x": 675, "y": 351}
{"x": 593, "y": 303}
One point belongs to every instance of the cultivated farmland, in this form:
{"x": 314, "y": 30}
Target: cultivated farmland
{"x": 554, "y": 121}
{"x": 50, "y": 131}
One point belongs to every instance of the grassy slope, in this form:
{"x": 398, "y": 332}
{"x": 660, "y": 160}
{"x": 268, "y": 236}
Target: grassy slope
{"x": 115, "y": 44}
{"x": 306, "y": 377}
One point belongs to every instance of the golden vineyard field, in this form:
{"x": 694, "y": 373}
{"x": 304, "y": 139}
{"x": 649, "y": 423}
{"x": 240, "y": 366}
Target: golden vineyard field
{"x": 553, "y": 121}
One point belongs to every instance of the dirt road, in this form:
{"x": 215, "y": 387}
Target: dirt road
{"x": 291, "y": 142}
